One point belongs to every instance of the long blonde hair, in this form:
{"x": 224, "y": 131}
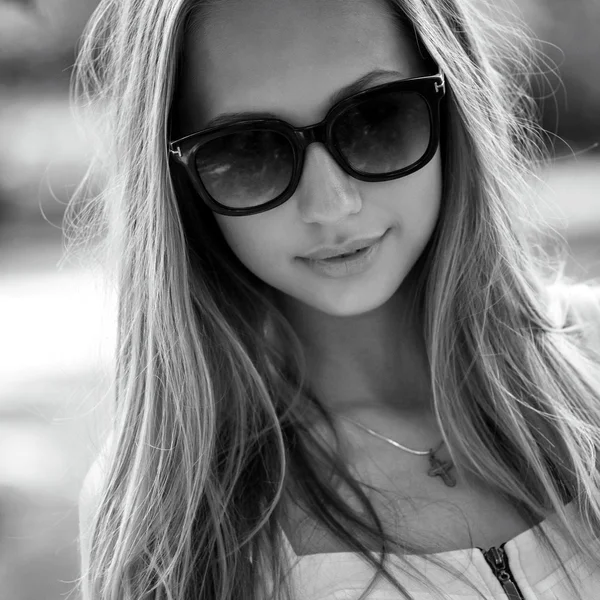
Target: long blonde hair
{"x": 210, "y": 427}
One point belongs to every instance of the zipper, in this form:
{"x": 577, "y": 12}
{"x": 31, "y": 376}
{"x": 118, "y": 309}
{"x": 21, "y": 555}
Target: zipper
{"x": 498, "y": 561}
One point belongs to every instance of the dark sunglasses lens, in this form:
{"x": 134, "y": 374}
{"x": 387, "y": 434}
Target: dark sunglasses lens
{"x": 245, "y": 169}
{"x": 384, "y": 133}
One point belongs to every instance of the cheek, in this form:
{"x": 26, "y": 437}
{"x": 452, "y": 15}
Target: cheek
{"x": 423, "y": 198}
{"x": 253, "y": 240}
{"x": 234, "y": 233}
{"x": 415, "y": 199}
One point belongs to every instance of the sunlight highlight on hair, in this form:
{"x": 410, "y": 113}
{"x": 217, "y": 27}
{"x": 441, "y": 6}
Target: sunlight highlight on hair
{"x": 212, "y": 417}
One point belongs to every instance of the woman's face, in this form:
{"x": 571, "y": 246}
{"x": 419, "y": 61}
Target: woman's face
{"x": 288, "y": 57}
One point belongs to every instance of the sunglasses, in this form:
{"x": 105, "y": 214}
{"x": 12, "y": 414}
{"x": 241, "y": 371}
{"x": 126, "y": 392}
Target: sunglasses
{"x": 251, "y": 166}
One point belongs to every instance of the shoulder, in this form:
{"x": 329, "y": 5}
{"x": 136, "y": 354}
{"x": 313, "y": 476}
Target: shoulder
{"x": 577, "y": 304}
{"x": 94, "y": 479}
{"x": 90, "y": 496}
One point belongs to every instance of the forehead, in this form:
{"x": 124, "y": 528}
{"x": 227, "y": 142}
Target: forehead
{"x": 285, "y": 56}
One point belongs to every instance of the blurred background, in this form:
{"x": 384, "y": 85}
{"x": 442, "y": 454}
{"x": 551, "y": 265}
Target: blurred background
{"x": 56, "y": 319}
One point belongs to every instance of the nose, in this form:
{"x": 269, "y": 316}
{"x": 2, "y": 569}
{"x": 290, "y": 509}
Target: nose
{"x": 326, "y": 194}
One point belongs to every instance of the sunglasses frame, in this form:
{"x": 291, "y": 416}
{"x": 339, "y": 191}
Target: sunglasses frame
{"x": 430, "y": 87}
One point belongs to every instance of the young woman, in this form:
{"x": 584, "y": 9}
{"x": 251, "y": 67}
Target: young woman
{"x": 345, "y": 369}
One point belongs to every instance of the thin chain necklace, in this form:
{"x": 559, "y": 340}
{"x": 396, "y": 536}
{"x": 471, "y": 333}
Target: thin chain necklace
{"x": 437, "y": 467}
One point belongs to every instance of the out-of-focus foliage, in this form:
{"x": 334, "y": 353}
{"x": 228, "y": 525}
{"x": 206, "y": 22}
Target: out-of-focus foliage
{"x": 38, "y": 37}
{"x": 42, "y": 156}
{"x": 568, "y": 31}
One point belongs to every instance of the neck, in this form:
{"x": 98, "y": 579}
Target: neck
{"x": 375, "y": 361}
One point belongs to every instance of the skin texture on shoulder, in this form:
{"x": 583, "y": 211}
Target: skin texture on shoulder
{"x": 89, "y": 500}
{"x": 579, "y": 304}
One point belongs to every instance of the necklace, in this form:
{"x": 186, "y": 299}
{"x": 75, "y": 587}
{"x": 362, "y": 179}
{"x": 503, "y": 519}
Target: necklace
{"x": 437, "y": 467}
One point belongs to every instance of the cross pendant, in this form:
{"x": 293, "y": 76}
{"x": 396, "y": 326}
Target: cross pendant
{"x": 441, "y": 468}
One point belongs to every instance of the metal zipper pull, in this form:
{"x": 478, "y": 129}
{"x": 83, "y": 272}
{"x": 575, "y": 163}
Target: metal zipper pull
{"x": 496, "y": 558}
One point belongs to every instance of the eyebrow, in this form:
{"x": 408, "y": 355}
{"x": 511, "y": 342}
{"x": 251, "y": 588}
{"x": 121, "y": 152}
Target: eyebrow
{"x": 359, "y": 85}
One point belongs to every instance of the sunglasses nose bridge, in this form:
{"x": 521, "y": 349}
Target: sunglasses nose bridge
{"x": 311, "y": 134}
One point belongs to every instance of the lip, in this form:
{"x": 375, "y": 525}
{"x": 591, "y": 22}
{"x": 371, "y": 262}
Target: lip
{"x": 325, "y": 252}
{"x": 355, "y": 264}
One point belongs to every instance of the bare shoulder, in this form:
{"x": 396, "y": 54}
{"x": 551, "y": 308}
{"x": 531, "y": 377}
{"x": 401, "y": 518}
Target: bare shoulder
{"x": 578, "y": 304}
{"x": 90, "y": 496}
{"x": 94, "y": 478}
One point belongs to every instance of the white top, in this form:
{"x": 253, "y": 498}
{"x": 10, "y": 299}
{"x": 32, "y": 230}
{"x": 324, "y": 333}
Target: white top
{"x": 345, "y": 576}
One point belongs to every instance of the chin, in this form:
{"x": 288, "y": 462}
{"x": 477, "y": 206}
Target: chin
{"x": 351, "y": 304}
